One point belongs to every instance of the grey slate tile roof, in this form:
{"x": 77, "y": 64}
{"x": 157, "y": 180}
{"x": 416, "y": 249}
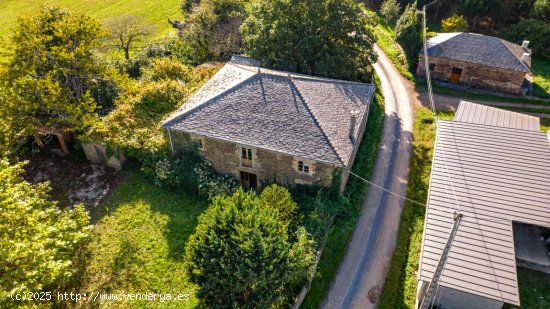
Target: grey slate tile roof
{"x": 483, "y": 114}
{"x": 499, "y": 175}
{"x": 477, "y": 48}
{"x": 299, "y": 115}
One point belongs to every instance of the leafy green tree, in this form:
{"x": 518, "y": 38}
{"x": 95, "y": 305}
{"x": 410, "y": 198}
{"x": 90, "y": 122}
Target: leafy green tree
{"x": 324, "y": 38}
{"x": 279, "y": 198}
{"x": 390, "y": 10}
{"x": 408, "y": 34}
{"x": 37, "y": 239}
{"x": 541, "y": 10}
{"x": 240, "y": 255}
{"x": 53, "y": 72}
{"x": 478, "y": 8}
{"x": 535, "y": 31}
{"x": 455, "y": 23}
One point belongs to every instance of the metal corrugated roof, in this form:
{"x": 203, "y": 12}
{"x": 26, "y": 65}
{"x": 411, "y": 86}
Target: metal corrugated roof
{"x": 483, "y": 114}
{"x": 498, "y": 175}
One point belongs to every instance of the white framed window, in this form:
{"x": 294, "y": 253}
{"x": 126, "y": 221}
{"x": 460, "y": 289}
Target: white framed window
{"x": 303, "y": 167}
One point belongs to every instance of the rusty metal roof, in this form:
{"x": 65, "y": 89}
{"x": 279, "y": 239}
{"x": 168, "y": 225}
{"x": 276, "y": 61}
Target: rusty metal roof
{"x": 482, "y": 114}
{"x": 495, "y": 175}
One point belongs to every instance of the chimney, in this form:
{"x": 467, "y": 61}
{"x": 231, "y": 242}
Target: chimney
{"x": 352, "y": 122}
{"x": 525, "y": 45}
{"x": 525, "y": 58}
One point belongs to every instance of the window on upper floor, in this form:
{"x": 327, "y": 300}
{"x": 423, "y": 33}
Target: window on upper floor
{"x": 303, "y": 167}
{"x": 246, "y": 153}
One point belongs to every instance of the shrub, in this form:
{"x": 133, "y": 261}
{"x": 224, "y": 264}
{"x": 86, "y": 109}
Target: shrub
{"x": 278, "y": 197}
{"x": 241, "y": 256}
{"x": 191, "y": 173}
{"x": 454, "y": 23}
{"x": 37, "y": 239}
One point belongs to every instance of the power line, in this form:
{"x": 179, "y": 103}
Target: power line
{"x": 386, "y": 190}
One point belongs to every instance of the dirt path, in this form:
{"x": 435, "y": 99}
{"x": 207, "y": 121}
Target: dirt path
{"x": 449, "y": 103}
{"x": 361, "y": 275}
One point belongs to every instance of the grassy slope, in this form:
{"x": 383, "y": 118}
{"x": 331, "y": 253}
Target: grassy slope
{"x": 138, "y": 241}
{"x": 344, "y": 224}
{"x": 384, "y": 37}
{"x": 153, "y": 12}
{"x": 400, "y": 287}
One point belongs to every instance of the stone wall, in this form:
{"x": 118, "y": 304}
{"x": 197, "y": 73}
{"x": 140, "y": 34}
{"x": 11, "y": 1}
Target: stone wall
{"x": 269, "y": 166}
{"x": 475, "y": 75}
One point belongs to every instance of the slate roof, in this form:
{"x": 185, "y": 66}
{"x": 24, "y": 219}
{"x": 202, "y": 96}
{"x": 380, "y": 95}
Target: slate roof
{"x": 477, "y": 48}
{"x": 499, "y": 175}
{"x": 299, "y": 115}
{"x": 483, "y": 114}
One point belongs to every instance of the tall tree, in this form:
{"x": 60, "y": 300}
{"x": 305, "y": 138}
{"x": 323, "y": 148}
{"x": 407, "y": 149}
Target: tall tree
{"x": 52, "y": 73}
{"x": 241, "y": 255}
{"x": 407, "y": 34}
{"x": 541, "y": 10}
{"x": 37, "y": 239}
{"x": 126, "y": 31}
{"x": 390, "y": 10}
{"x": 325, "y": 38}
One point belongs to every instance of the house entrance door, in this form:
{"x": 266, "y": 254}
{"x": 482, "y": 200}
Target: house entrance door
{"x": 455, "y": 75}
{"x": 249, "y": 181}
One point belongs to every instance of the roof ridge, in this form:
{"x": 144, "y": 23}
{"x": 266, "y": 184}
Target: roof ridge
{"x": 315, "y": 119}
{"x": 166, "y": 123}
{"x": 502, "y": 41}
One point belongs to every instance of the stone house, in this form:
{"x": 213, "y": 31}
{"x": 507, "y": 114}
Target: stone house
{"x": 264, "y": 126}
{"x": 478, "y": 61}
{"x": 492, "y": 167}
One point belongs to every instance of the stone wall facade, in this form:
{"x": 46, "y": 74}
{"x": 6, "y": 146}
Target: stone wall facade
{"x": 475, "y": 75}
{"x": 268, "y": 166}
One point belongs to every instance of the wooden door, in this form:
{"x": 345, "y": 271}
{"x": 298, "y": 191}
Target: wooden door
{"x": 249, "y": 181}
{"x": 455, "y": 75}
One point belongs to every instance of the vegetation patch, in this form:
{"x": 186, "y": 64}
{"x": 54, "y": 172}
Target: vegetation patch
{"x": 137, "y": 244}
{"x": 533, "y": 289}
{"x": 384, "y": 38}
{"x": 541, "y": 77}
{"x": 346, "y": 218}
{"x": 401, "y": 281}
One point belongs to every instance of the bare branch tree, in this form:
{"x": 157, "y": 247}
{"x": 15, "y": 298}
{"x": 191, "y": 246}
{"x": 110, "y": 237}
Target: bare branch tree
{"x": 126, "y": 31}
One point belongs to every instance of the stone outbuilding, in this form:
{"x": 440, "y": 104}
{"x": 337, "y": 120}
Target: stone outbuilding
{"x": 478, "y": 61}
{"x": 265, "y": 126}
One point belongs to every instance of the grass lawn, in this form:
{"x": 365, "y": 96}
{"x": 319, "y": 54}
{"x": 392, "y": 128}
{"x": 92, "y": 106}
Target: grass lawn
{"x": 541, "y": 77}
{"x": 534, "y": 289}
{"x": 400, "y": 287}
{"x": 138, "y": 241}
{"x": 154, "y": 12}
{"x": 346, "y": 219}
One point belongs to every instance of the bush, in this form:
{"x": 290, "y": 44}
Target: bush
{"x": 535, "y": 31}
{"x": 407, "y": 34}
{"x": 241, "y": 256}
{"x": 38, "y": 239}
{"x": 278, "y": 197}
{"x": 191, "y": 173}
{"x": 390, "y": 10}
{"x": 454, "y": 23}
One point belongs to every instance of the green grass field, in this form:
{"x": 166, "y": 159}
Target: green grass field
{"x": 153, "y": 12}
{"x": 138, "y": 241}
